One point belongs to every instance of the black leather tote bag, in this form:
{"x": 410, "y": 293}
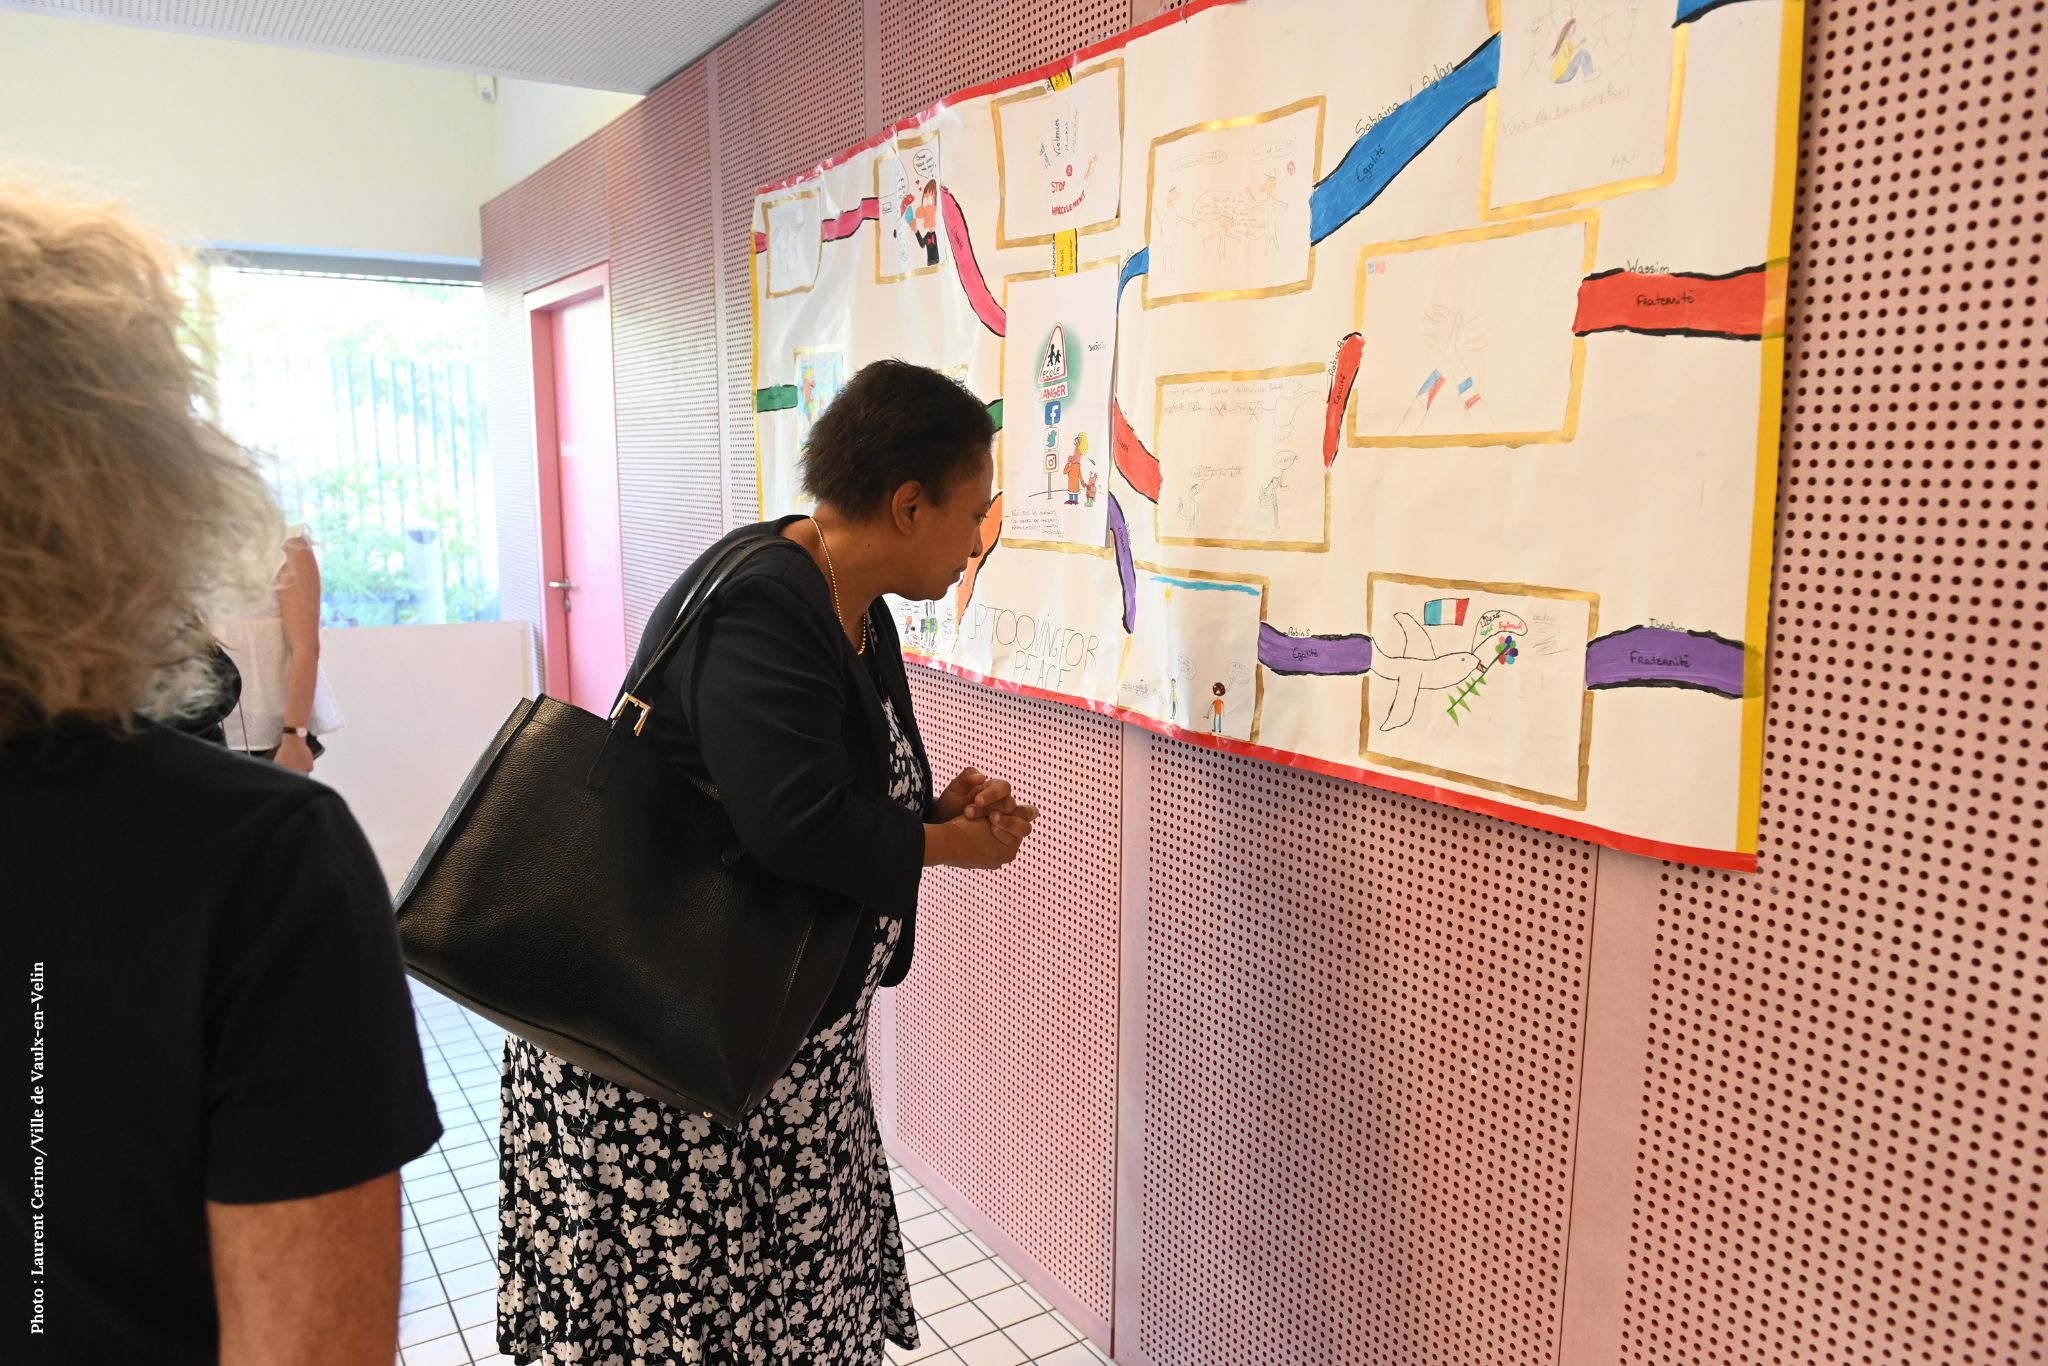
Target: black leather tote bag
{"x": 586, "y": 896}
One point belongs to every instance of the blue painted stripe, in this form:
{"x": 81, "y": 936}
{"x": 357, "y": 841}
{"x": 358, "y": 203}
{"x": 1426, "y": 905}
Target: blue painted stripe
{"x": 1464, "y": 384}
{"x": 1138, "y": 265}
{"x": 1389, "y": 145}
{"x": 1204, "y": 586}
{"x": 1689, "y": 10}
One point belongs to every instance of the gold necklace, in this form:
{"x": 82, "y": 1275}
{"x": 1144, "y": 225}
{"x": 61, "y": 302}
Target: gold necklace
{"x": 832, "y": 578}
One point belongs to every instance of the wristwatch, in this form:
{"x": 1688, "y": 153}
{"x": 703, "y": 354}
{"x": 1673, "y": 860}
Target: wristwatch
{"x": 299, "y": 731}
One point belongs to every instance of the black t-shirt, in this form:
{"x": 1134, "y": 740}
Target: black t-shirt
{"x": 206, "y": 946}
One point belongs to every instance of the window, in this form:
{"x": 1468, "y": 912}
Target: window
{"x": 365, "y": 400}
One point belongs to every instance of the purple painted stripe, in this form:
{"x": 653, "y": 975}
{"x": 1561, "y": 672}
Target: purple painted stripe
{"x": 1285, "y": 654}
{"x": 1120, "y": 541}
{"x": 1658, "y": 657}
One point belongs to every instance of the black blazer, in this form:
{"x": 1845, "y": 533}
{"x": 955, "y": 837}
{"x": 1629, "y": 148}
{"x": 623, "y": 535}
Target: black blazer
{"x": 767, "y": 702}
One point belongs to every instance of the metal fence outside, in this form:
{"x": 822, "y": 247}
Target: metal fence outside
{"x": 386, "y": 460}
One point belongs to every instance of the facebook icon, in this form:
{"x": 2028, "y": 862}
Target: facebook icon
{"x": 1052, "y": 413}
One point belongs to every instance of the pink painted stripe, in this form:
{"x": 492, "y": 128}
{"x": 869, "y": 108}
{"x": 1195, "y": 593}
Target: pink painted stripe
{"x": 848, "y": 223}
{"x": 971, "y": 281}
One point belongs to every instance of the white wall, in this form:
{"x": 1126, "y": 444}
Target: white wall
{"x": 421, "y": 704}
{"x": 233, "y": 143}
{"x": 537, "y": 122}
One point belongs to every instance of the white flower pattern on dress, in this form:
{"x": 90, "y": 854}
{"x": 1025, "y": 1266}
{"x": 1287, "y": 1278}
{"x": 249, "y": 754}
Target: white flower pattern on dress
{"x": 633, "y": 1232}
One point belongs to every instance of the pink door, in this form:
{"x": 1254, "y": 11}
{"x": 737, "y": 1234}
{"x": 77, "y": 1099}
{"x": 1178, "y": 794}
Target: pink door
{"x": 584, "y": 622}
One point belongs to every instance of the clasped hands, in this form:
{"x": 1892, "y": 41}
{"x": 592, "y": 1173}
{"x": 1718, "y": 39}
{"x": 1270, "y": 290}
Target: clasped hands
{"x": 989, "y": 814}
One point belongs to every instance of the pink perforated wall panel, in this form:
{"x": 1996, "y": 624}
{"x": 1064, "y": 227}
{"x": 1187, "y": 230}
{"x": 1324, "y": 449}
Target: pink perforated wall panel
{"x": 1360, "y": 1072}
{"x": 1006, "y": 1029}
{"x": 664, "y": 337}
{"x": 930, "y": 50}
{"x": 1842, "y": 1142}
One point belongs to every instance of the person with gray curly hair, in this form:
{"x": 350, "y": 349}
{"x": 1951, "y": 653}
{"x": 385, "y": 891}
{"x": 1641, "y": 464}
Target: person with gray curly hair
{"x": 225, "y": 1076}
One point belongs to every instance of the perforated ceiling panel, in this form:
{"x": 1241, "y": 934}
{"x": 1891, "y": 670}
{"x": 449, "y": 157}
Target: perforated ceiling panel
{"x": 664, "y": 339}
{"x": 1842, "y": 1144}
{"x": 610, "y": 44}
{"x": 1363, "y": 1018}
{"x": 1006, "y": 1074}
{"x": 933, "y": 50}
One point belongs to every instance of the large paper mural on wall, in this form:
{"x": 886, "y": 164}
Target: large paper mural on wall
{"x": 1390, "y": 391}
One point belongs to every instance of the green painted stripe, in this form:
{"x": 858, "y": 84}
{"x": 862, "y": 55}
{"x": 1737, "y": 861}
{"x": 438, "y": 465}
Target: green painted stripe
{"x": 775, "y": 398}
{"x": 995, "y": 413}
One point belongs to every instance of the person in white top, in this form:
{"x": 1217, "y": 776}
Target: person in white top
{"x": 285, "y": 700}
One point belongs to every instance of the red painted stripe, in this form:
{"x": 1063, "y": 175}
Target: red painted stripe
{"x": 1630, "y": 301}
{"x": 1520, "y": 815}
{"x": 760, "y": 243}
{"x": 1434, "y": 390}
{"x": 972, "y": 282}
{"x": 848, "y": 223}
{"x": 1342, "y": 377}
{"x": 1137, "y": 465}
{"x": 1472, "y": 400}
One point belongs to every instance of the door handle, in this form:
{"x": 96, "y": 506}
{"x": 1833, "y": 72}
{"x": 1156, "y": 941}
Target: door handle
{"x": 560, "y": 583}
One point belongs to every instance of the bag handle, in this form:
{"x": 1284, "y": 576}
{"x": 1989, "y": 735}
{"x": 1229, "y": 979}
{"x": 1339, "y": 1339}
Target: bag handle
{"x": 695, "y": 602}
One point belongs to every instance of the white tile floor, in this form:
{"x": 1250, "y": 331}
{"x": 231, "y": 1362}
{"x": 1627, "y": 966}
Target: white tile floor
{"x": 973, "y": 1310}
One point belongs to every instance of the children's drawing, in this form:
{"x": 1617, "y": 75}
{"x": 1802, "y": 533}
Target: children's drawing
{"x": 1587, "y": 100}
{"x": 1484, "y": 683}
{"x": 1453, "y": 346}
{"x": 1468, "y": 339}
{"x": 909, "y": 234}
{"x": 1413, "y": 665}
{"x": 1229, "y": 206}
{"x": 929, "y": 629}
{"x": 1060, "y": 157}
{"x": 820, "y": 371}
{"x": 1057, "y": 366}
{"x": 796, "y": 244}
{"x": 1048, "y": 622}
{"x": 1192, "y": 661}
{"x": 1239, "y": 457}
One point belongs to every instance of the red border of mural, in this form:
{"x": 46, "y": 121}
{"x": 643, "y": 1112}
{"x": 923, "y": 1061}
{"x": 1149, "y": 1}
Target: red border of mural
{"x": 1534, "y": 817}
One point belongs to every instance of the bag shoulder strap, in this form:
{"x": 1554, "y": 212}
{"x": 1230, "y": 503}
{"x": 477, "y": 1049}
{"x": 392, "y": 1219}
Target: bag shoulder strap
{"x": 695, "y": 602}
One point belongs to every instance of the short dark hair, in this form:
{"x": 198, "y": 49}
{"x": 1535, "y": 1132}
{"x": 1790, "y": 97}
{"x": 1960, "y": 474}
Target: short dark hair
{"x": 892, "y": 424}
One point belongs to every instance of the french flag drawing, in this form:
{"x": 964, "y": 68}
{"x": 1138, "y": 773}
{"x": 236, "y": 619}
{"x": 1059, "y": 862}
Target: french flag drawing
{"x": 1445, "y": 612}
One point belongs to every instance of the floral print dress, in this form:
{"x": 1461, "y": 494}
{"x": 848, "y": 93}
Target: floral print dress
{"x": 632, "y": 1232}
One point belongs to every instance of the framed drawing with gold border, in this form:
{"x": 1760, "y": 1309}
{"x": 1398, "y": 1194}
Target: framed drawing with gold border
{"x": 1057, "y": 362}
{"x": 1587, "y": 105}
{"x": 1060, "y": 157}
{"x": 1481, "y": 684}
{"x": 1193, "y": 661}
{"x": 1468, "y": 338}
{"x": 1240, "y": 459}
{"x": 795, "y": 228}
{"x": 910, "y": 232}
{"x": 1227, "y": 206}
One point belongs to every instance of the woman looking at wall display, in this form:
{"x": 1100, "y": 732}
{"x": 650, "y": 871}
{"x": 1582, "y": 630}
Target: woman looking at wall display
{"x": 633, "y": 1228}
